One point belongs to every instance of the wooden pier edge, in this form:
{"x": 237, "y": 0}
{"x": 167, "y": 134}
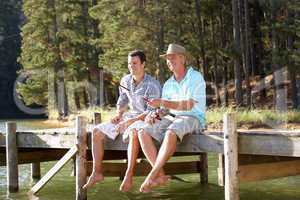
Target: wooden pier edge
{"x": 231, "y": 157}
{"x": 81, "y": 171}
{"x": 12, "y": 158}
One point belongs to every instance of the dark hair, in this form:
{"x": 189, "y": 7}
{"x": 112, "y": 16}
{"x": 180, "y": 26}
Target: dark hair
{"x": 138, "y": 53}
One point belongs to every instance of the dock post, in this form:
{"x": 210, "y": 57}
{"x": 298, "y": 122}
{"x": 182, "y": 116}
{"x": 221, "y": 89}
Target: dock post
{"x": 97, "y": 118}
{"x": 35, "y": 171}
{"x": 221, "y": 174}
{"x": 231, "y": 157}
{"x": 204, "y": 168}
{"x": 12, "y": 157}
{"x": 81, "y": 171}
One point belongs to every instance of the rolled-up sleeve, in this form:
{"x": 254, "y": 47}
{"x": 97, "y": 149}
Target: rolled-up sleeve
{"x": 154, "y": 92}
{"x": 123, "y": 98}
{"x": 198, "y": 92}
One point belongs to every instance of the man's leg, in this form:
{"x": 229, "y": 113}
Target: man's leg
{"x": 148, "y": 146}
{"x": 150, "y": 152}
{"x": 167, "y": 149}
{"x": 98, "y": 153}
{"x": 132, "y": 154}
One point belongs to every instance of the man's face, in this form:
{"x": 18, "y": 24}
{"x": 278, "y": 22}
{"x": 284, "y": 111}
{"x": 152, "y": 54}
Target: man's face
{"x": 175, "y": 61}
{"x": 135, "y": 66}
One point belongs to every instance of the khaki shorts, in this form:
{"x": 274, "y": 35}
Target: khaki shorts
{"x": 109, "y": 129}
{"x": 181, "y": 125}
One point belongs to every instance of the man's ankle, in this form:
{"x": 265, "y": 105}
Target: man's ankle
{"x": 129, "y": 174}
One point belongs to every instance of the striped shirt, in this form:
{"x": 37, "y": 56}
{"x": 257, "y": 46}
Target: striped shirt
{"x": 148, "y": 88}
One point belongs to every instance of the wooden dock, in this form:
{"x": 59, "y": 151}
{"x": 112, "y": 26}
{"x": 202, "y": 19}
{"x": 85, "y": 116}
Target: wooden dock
{"x": 244, "y": 155}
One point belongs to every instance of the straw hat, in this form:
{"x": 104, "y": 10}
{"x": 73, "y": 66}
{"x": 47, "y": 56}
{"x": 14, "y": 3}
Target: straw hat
{"x": 174, "y": 49}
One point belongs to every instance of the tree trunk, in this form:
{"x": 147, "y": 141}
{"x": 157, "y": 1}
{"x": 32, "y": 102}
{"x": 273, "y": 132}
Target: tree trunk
{"x": 160, "y": 41}
{"x": 53, "y": 112}
{"x": 224, "y": 63}
{"x": 200, "y": 38}
{"x": 77, "y": 100}
{"x": 99, "y": 76}
{"x": 295, "y": 98}
{"x": 217, "y": 95}
{"x": 292, "y": 67}
{"x": 59, "y": 84}
{"x": 259, "y": 50}
{"x": 247, "y": 54}
{"x": 237, "y": 58}
{"x": 279, "y": 90}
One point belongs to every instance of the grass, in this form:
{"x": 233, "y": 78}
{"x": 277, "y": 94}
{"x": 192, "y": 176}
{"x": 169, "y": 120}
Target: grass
{"x": 255, "y": 117}
{"x": 248, "y": 118}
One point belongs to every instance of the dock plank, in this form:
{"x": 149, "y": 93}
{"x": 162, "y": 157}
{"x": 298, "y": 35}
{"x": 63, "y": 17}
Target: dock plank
{"x": 270, "y": 142}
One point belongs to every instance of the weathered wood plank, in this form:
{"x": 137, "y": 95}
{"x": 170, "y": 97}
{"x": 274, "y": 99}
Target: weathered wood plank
{"x": 47, "y": 177}
{"x": 265, "y": 171}
{"x": 254, "y": 163}
{"x": 39, "y": 155}
{"x": 231, "y": 157}
{"x": 245, "y": 159}
{"x": 250, "y": 142}
{"x": 143, "y": 168}
{"x": 12, "y": 157}
{"x": 81, "y": 142}
{"x": 269, "y": 145}
{"x": 30, "y": 155}
{"x": 47, "y": 140}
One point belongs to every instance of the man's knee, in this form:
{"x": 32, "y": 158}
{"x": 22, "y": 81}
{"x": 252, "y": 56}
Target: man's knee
{"x": 97, "y": 134}
{"x": 171, "y": 133}
{"x": 133, "y": 134}
{"x": 142, "y": 134}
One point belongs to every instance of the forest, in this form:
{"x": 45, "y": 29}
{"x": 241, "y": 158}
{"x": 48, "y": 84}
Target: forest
{"x": 74, "y": 52}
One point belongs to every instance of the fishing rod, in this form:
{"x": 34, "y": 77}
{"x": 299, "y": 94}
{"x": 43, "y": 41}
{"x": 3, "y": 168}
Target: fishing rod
{"x": 157, "y": 116}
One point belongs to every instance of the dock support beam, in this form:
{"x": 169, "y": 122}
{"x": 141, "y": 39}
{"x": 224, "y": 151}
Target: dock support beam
{"x": 81, "y": 171}
{"x": 12, "y": 158}
{"x": 36, "y": 171}
{"x": 221, "y": 174}
{"x": 231, "y": 157}
{"x": 203, "y": 168}
{"x": 97, "y": 118}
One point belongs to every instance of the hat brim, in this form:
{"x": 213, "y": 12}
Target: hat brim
{"x": 165, "y": 55}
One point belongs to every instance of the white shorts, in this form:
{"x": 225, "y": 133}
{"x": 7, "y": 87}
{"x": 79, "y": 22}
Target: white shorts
{"x": 109, "y": 129}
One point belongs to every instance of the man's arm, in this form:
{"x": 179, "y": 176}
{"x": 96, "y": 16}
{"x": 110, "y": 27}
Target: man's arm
{"x": 125, "y": 124}
{"x": 174, "y": 105}
{"x": 119, "y": 113}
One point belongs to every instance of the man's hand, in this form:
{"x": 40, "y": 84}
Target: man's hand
{"x": 155, "y": 103}
{"x": 122, "y": 126}
{"x": 116, "y": 119}
{"x": 152, "y": 116}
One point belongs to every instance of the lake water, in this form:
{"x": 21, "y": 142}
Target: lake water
{"x": 62, "y": 187}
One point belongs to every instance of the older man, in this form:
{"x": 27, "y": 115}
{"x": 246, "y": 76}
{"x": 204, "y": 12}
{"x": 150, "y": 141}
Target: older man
{"x": 135, "y": 89}
{"x": 184, "y": 96}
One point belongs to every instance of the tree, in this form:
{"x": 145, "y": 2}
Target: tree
{"x": 237, "y": 49}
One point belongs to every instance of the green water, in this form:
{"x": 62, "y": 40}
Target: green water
{"x": 62, "y": 187}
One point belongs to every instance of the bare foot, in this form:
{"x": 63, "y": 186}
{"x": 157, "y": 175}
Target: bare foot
{"x": 162, "y": 180}
{"x": 147, "y": 185}
{"x": 126, "y": 184}
{"x": 93, "y": 179}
